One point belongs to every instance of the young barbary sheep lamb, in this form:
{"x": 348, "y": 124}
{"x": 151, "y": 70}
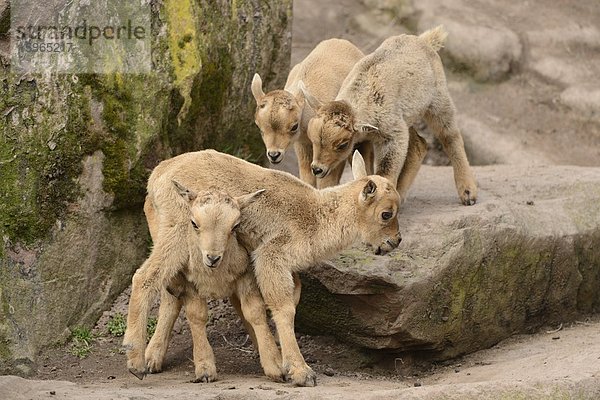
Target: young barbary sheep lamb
{"x": 282, "y": 117}
{"x": 386, "y": 93}
{"x": 196, "y": 256}
{"x": 290, "y": 227}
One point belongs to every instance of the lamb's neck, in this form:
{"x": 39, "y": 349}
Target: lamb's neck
{"x": 338, "y": 227}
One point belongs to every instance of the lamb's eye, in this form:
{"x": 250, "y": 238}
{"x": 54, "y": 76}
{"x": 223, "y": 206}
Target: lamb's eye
{"x": 194, "y": 225}
{"x": 294, "y": 128}
{"x": 386, "y": 215}
{"x": 343, "y": 146}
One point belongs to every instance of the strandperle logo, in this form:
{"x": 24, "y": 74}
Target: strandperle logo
{"x": 81, "y": 36}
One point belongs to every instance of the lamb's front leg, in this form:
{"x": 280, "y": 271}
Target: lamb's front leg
{"x": 196, "y": 311}
{"x": 391, "y": 150}
{"x": 253, "y": 311}
{"x": 277, "y": 287}
{"x": 304, "y": 154}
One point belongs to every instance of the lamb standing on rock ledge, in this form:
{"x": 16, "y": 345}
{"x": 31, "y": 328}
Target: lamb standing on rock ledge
{"x": 384, "y": 95}
{"x": 289, "y": 228}
{"x": 196, "y": 256}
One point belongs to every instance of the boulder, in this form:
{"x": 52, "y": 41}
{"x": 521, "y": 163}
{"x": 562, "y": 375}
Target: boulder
{"x": 76, "y": 150}
{"x": 477, "y": 43}
{"x": 583, "y": 99}
{"x": 485, "y": 50}
{"x": 465, "y": 278}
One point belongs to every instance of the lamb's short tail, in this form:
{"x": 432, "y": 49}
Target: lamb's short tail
{"x": 435, "y": 37}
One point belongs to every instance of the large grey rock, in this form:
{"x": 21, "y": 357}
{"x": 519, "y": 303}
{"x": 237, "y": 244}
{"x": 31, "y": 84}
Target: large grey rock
{"x": 584, "y": 99}
{"x": 478, "y": 43}
{"x": 465, "y": 278}
{"x": 75, "y": 152}
{"x": 485, "y": 49}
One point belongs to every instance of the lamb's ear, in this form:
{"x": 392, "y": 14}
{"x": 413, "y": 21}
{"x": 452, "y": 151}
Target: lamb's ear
{"x": 364, "y": 127}
{"x": 312, "y": 101}
{"x": 359, "y": 170}
{"x": 184, "y": 192}
{"x": 257, "y": 90}
{"x": 369, "y": 190}
{"x": 300, "y": 99}
{"x": 248, "y": 199}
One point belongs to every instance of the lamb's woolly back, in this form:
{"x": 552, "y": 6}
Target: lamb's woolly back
{"x": 435, "y": 38}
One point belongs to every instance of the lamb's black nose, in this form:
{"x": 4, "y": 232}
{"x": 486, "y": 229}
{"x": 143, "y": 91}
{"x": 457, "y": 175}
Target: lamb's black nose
{"x": 274, "y": 156}
{"x": 213, "y": 259}
{"x": 317, "y": 171}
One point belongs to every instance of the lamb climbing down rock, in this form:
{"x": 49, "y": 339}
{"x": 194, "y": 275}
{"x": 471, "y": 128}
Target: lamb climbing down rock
{"x": 384, "y": 95}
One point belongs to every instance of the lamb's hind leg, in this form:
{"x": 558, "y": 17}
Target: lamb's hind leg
{"x": 144, "y": 285}
{"x": 196, "y": 312}
{"x": 161, "y": 266}
{"x": 170, "y": 306}
{"x": 417, "y": 149}
{"x": 254, "y": 312}
{"x": 441, "y": 119}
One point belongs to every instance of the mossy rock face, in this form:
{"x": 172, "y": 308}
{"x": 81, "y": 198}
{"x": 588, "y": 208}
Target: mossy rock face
{"x": 76, "y": 150}
{"x": 465, "y": 278}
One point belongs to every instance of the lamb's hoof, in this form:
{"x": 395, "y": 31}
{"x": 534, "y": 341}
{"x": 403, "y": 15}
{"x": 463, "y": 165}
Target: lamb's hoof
{"x": 137, "y": 373}
{"x": 153, "y": 368}
{"x": 468, "y": 199}
{"x": 278, "y": 377}
{"x": 304, "y": 377}
{"x": 205, "y": 378}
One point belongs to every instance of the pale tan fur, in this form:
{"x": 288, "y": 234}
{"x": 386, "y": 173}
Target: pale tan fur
{"x": 189, "y": 264}
{"x": 386, "y": 93}
{"x": 290, "y": 227}
{"x": 278, "y": 111}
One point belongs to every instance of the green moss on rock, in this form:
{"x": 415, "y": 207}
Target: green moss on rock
{"x": 63, "y": 237}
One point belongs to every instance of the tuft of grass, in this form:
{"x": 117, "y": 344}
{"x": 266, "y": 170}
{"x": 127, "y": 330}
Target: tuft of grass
{"x": 82, "y": 339}
{"x": 151, "y": 327}
{"x": 116, "y": 325}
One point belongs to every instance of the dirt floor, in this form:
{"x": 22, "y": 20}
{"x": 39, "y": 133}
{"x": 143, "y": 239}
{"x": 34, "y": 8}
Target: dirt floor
{"x": 559, "y": 362}
{"x": 526, "y": 115}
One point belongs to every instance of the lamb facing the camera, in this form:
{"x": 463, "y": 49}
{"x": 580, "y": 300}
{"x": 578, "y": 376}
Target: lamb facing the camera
{"x": 196, "y": 256}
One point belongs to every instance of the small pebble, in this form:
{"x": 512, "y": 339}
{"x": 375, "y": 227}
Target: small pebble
{"x": 456, "y": 370}
{"x": 111, "y": 377}
{"x": 329, "y": 371}
{"x": 52, "y": 392}
{"x": 280, "y": 392}
{"x": 417, "y": 384}
{"x": 555, "y": 337}
{"x": 530, "y": 202}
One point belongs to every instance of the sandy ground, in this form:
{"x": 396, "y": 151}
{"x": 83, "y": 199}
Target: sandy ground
{"x": 557, "y": 364}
